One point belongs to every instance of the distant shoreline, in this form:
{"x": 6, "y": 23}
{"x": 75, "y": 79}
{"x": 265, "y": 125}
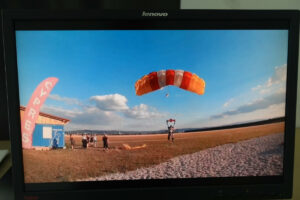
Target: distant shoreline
{"x": 182, "y": 130}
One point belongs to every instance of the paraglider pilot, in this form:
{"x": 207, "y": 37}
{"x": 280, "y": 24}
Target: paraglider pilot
{"x": 170, "y": 129}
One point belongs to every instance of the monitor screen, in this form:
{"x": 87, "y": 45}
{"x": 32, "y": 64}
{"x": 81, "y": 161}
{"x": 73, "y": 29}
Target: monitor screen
{"x": 151, "y": 104}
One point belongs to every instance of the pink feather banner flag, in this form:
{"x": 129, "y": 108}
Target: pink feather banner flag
{"x": 32, "y": 110}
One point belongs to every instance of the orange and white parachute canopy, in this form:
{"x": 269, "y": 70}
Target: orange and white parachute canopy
{"x": 182, "y": 79}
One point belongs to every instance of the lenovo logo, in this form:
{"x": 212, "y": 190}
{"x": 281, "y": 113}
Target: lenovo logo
{"x": 154, "y": 14}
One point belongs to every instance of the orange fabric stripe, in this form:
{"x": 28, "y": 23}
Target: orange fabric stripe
{"x": 170, "y": 77}
{"x": 142, "y": 86}
{"x": 186, "y": 80}
{"x": 197, "y": 85}
{"x": 154, "y": 81}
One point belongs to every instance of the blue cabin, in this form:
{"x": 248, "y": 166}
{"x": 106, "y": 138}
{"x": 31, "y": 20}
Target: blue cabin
{"x": 49, "y": 131}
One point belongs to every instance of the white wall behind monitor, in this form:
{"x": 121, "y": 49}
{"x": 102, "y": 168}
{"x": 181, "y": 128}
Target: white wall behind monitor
{"x": 249, "y": 4}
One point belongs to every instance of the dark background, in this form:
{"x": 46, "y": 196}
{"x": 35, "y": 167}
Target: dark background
{"x": 3, "y": 100}
{"x": 66, "y": 5}
{"x": 90, "y": 4}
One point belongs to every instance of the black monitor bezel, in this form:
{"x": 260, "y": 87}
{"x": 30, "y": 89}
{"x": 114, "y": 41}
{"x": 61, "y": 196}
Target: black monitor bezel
{"x": 271, "y": 187}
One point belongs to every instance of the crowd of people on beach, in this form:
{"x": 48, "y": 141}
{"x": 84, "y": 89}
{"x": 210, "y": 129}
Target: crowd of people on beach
{"x": 89, "y": 141}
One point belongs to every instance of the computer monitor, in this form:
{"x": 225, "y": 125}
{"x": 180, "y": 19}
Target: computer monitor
{"x": 152, "y": 103}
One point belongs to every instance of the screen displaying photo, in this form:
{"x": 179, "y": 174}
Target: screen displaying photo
{"x": 102, "y": 105}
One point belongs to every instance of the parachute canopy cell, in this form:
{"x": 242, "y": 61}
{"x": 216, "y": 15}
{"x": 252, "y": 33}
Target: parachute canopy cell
{"x": 182, "y": 79}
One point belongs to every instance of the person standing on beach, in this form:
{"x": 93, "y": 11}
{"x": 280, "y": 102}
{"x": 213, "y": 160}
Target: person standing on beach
{"x": 55, "y": 144}
{"x": 91, "y": 140}
{"x": 105, "y": 141}
{"x": 84, "y": 141}
{"x": 87, "y": 140}
{"x": 72, "y": 141}
{"x": 95, "y": 140}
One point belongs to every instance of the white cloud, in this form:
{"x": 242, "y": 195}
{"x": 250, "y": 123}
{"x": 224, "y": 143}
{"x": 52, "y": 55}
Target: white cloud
{"x": 272, "y": 111}
{"x": 111, "y": 102}
{"x": 66, "y": 100}
{"x": 278, "y": 79}
{"x": 279, "y": 75}
{"x": 105, "y": 112}
{"x": 229, "y": 102}
{"x": 143, "y": 111}
{"x": 92, "y": 115}
{"x": 86, "y": 118}
{"x": 58, "y": 111}
{"x": 256, "y": 88}
{"x": 262, "y": 103}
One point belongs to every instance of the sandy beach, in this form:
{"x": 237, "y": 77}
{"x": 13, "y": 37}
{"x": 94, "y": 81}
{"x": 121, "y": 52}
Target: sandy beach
{"x": 260, "y": 156}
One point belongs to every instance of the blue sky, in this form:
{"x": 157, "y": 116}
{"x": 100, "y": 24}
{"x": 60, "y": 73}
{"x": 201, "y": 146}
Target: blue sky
{"x": 244, "y": 71}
